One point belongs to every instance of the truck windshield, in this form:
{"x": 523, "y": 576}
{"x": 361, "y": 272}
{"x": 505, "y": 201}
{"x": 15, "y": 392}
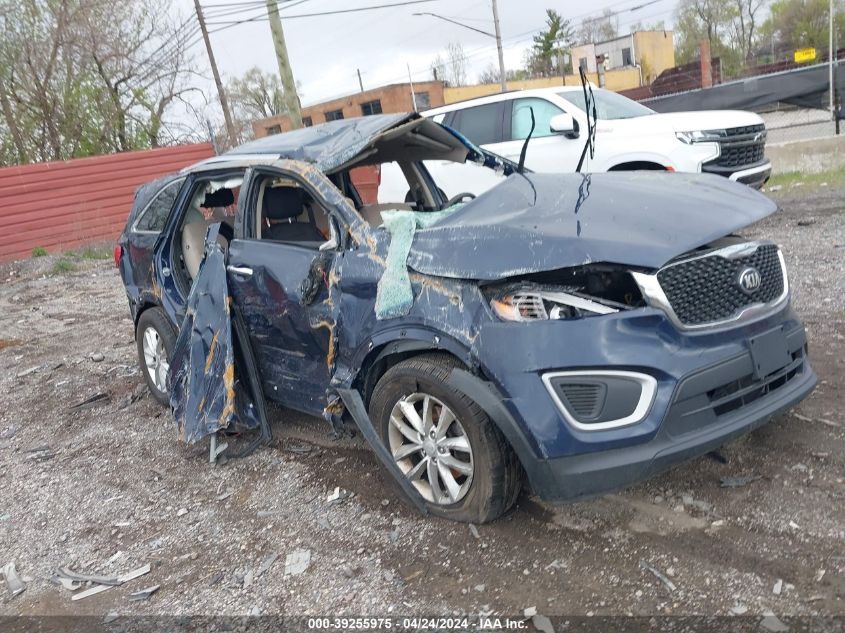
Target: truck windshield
{"x": 609, "y": 105}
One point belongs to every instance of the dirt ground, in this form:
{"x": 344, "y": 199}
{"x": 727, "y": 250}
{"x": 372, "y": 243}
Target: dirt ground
{"x": 107, "y": 488}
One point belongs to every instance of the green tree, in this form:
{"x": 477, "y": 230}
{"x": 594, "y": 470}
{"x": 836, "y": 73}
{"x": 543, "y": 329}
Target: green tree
{"x": 256, "y": 94}
{"x": 794, "y": 24}
{"x": 550, "y": 45}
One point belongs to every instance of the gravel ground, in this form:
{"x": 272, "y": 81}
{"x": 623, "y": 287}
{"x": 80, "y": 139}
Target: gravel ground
{"x": 107, "y": 488}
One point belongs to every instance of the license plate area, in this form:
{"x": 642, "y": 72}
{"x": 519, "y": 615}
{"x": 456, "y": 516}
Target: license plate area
{"x": 769, "y": 352}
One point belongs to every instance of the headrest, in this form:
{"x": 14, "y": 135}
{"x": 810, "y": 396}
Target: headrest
{"x": 282, "y": 203}
{"x": 219, "y": 198}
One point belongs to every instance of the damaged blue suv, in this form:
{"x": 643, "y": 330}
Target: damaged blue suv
{"x": 581, "y": 332}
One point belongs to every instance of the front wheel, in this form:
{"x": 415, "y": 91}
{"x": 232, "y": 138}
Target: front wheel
{"x": 156, "y": 339}
{"x": 443, "y": 442}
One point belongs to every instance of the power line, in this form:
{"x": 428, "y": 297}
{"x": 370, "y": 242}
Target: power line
{"x": 251, "y": 6}
{"x": 335, "y": 12}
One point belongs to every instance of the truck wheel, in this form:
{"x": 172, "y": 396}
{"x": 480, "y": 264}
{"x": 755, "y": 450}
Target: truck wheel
{"x": 444, "y": 442}
{"x": 155, "y": 339}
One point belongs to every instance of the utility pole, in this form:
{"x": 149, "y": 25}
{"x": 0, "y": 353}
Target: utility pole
{"x": 224, "y": 102}
{"x": 285, "y": 72}
{"x": 411, "y": 83}
{"x": 503, "y": 78}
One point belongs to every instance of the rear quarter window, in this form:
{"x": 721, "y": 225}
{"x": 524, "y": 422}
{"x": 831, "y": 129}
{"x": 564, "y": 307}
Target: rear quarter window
{"x": 154, "y": 216}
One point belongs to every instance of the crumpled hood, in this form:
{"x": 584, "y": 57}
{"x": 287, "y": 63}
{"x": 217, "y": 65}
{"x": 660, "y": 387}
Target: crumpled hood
{"x": 638, "y": 219}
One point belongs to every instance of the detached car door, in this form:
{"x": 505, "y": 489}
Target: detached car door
{"x": 277, "y": 269}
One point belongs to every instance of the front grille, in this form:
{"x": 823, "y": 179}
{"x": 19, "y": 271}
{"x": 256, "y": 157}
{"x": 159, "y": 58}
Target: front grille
{"x": 741, "y": 146}
{"x": 706, "y": 289}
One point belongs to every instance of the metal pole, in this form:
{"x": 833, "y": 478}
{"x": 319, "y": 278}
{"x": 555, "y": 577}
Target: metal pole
{"x": 830, "y": 60}
{"x": 502, "y": 76}
{"x": 224, "y": 102}
{"x": 360, "y": 83}
{"x": 413, "y": 94}
{"x": 285, "y": 72}
{"x": 560, "y": 62}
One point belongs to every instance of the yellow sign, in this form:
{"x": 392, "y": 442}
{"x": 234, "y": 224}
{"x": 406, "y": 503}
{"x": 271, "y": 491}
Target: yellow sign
{"x": 805, "y": 55}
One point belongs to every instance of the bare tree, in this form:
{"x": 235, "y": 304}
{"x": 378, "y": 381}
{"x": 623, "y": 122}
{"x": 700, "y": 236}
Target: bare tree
{"x": 82, "y": 77}
{"x": 452, "y": 69}
{"x": 599, "y": 28}
{"x": 744, "y": 25}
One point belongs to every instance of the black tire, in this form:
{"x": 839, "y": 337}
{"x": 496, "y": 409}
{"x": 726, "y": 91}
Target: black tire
{"x": 156, "y": 319}
{"x": 497, "y": 476}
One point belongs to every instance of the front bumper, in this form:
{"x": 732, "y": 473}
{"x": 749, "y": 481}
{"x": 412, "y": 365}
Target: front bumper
{"x": 707, "y": 395}
{"x": 754, "y": 176}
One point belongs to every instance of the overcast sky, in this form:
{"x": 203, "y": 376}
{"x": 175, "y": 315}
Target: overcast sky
{"x": 325, "y": 51}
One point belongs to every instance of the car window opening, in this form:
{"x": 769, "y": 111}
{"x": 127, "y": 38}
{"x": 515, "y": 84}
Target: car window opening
{"x": 211, "y": 202}
{"x": 288, "y": 213}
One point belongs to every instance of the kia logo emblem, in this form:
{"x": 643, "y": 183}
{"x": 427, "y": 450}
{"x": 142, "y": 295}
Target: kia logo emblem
{"x": 749, "y": 280}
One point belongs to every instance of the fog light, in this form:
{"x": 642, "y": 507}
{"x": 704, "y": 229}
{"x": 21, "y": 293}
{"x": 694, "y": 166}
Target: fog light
{"x": 600, "y": 400}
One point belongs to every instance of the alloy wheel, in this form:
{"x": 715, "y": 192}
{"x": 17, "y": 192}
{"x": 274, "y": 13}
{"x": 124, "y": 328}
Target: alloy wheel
{"x": 431, "y": 447}
{"x": 155, "y": 357}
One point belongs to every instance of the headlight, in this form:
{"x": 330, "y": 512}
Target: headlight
{"x": 699, "y": 136}
{"x": 546, "y": 305}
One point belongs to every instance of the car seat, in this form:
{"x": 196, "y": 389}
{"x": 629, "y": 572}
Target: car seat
{"x": 287, "y": 203}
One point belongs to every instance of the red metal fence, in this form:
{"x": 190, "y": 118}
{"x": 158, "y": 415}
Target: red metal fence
{"x": 63, "y": 205}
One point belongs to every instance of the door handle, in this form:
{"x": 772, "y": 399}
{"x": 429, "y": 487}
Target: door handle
{"x": 240, "y": 270}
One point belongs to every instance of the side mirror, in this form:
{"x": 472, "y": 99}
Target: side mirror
{"x": 564, "y": 124}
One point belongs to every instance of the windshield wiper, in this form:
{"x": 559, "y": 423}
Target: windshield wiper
{"x": 590, "y": 108}
{"x": 521, "y": 167}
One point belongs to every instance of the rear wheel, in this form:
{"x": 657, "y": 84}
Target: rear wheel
{"x": 156, "y": 339}
{"x": 443, "y": 442}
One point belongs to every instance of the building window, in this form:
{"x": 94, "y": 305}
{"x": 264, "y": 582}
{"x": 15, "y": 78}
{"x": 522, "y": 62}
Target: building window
{"x": 307, "y": 122}
{"x": 626, "y": 57}
{"x": 582, "y": 63}
{"x": 423, "y": 101}
{"x": 334, "y": 115}
{"x": 371, "y": 107}
{"x": 274, "y": 129}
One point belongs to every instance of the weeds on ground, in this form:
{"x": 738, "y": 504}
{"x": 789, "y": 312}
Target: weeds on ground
{"x": 101, "y": 252}
{"x": 63, "y": 266}
{"x": 791, "y": 179}
{"x": 39, "y": 251}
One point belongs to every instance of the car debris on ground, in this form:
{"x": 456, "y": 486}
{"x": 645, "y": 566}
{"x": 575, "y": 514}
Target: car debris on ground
{"x": 658, "y": 574}
{"x": 73, "y": 581}
{"x": 738, "y": 482}
{"x": 14, "y": 583}
{"x": 143, "y": 594}
{"x": 297, "y": 562}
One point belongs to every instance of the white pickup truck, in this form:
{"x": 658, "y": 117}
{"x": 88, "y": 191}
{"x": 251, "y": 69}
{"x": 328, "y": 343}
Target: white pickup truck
{"x": 628, "y": 135}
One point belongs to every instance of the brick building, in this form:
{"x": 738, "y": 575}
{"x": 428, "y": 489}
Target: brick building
{"x": 385, "y": 99}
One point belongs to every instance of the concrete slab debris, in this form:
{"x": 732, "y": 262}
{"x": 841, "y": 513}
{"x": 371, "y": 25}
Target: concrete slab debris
{"x": 297, "y": 562}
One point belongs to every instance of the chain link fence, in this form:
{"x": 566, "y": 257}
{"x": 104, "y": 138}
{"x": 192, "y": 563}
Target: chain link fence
{"x": 786, "y": 123}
